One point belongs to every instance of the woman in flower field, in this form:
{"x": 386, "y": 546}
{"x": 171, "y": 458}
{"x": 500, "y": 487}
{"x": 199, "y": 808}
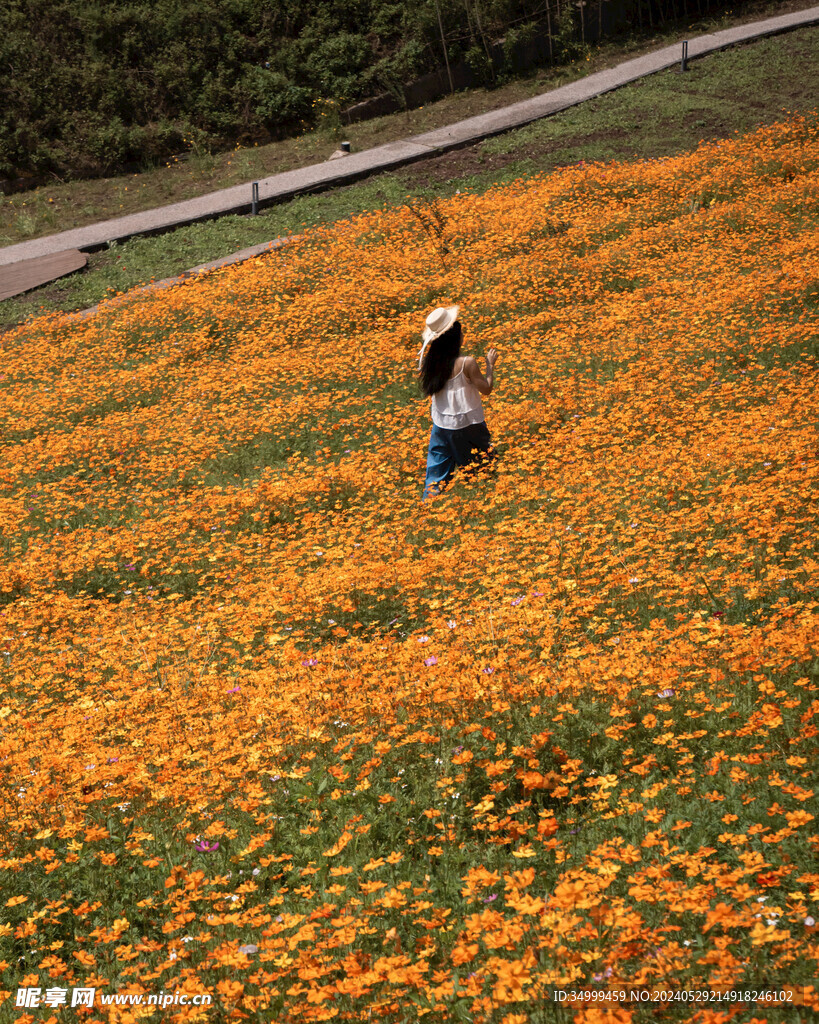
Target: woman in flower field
{"x": 455, "y": 382}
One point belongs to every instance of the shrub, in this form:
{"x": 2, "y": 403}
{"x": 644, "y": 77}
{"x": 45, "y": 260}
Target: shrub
{"x": 275, "y": 101}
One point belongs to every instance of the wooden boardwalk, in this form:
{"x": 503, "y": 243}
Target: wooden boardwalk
{"x": 17, "y": 278}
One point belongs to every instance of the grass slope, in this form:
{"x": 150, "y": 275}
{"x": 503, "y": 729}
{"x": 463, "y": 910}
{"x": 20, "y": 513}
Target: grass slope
{"x": 275, "y": 732}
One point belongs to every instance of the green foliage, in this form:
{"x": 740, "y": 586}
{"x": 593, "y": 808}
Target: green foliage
{"x": 88, "y": 87}
{"x": 480, "y": 65}
{"x": 336, "y": 63}
{"x": 567, "y": 42}
{"x": 516, "y": 39}
{"x": 274, "y": 100}
{"x": 394, "y": 70}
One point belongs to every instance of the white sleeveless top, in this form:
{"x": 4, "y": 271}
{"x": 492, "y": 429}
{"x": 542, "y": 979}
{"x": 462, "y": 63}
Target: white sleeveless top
{"x": 458, "y": 403}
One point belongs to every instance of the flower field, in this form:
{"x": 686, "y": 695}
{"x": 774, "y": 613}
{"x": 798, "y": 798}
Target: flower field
{"x": 273, "y": 729}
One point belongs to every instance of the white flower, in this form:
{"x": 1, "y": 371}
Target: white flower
{"x": 809, "y": 922}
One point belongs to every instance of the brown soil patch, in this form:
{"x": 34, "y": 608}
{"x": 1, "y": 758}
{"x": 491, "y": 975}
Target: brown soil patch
{"x": 471, "y": 160}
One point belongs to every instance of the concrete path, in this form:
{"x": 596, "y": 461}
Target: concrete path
{"x": 332, "y": 173}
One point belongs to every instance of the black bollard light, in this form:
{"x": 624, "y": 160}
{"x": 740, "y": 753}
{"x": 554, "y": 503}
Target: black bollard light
{"x": 254, "y": 198}
{"x": 684, "y": 66}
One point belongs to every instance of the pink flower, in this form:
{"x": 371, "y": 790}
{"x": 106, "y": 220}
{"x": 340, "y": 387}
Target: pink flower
{"x": 431, "y": 660}
{"x": 205, "y": 847}
{"x": 234, "y": 690}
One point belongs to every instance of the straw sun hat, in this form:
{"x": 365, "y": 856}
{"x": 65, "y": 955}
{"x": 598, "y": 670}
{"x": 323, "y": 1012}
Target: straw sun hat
{"x": 438, "y": 322}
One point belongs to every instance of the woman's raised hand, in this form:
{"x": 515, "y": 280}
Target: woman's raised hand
{"x": 491, "y": 357}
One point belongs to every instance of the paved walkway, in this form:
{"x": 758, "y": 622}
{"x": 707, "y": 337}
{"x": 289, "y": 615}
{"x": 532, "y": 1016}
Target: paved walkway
{"x": 332, "y": 173}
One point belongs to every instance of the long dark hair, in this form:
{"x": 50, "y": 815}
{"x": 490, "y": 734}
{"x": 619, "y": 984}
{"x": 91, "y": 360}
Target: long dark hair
{"x": 439, "y": 359}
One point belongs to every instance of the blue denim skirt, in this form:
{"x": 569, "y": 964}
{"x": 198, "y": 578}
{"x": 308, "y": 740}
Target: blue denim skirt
{"x": 451, "y": 448}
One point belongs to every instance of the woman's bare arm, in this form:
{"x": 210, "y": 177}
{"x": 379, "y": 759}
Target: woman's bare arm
{"x": 483, "y": 383}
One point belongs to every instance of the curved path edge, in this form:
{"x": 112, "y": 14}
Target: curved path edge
{"x": 333, "y": 173}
